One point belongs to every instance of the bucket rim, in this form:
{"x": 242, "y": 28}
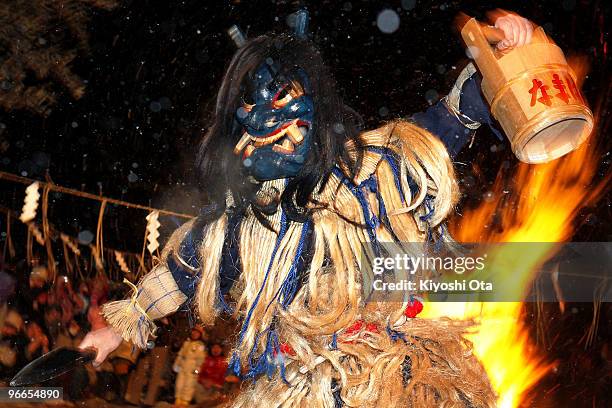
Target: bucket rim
{"x": 546, "y": 119}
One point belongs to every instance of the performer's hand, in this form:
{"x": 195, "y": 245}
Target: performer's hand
{"x": 105, "y": 341}
{"x": 518, "y": 30}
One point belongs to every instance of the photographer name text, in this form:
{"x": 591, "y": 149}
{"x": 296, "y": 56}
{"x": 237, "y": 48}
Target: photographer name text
{"x": 432, "y": 286}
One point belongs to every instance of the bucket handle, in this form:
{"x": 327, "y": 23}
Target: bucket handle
{"x": 492, "y": 34}
{"x": 479, "y": 37}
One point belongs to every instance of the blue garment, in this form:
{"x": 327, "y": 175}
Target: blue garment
{"x": 445, "y": 125}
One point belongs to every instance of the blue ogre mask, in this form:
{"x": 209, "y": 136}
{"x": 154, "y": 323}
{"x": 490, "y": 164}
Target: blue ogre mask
{"x": 276, "y": 120}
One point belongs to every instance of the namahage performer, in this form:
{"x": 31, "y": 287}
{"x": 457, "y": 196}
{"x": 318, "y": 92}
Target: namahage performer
{"x": 301, "y": 198}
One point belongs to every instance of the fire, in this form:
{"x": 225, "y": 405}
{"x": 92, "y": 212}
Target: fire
{"x": 537, "y": 203}
{"x": 502, "y": 345}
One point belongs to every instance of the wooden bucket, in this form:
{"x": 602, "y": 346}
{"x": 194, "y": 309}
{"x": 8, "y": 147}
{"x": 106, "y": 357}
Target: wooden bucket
{"x": 532, "y": 93}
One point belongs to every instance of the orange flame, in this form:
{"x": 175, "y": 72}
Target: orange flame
{"x": 537, "y": 203}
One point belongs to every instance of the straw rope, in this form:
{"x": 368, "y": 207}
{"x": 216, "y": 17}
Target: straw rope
{"x": 77, "y": 193}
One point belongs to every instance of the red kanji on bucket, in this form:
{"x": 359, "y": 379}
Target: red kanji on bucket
{"x": 571, "y": 85}
{"x": 545, "y": 98}
{"x": 559, "y": 85}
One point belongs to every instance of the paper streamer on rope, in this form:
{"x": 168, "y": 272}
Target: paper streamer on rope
{"x": 153, "y": 231}
{"x": 70, "y": 243}
{"x": 37, "y": 234}
{"x": 121, "y": 261}
{"x": 30, "y": 203}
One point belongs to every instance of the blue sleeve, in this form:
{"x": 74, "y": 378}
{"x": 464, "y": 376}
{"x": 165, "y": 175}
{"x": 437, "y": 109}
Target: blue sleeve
{"x": 185, "y": 265}
{"x": 446, "y": 125}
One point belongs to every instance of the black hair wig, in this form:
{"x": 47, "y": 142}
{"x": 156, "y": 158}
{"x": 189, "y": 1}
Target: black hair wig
{"x": 334, "y": 125}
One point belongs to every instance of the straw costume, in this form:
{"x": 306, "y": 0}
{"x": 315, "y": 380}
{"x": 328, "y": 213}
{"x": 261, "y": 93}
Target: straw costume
{"x": 301, "y": 198}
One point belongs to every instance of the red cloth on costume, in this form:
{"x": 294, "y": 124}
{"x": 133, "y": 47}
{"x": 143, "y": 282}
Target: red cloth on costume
{"x": 213, "y": 369}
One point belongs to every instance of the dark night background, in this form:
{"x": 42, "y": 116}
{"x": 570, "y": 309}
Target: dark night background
{"x": 153, "y": 69}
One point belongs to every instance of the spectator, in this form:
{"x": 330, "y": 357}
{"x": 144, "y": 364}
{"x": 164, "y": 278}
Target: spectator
{"x": 151, "y": 371}
{"x": 53, "y": 322}
{"x": 12, "y": 343}
{"x": 187, "y": 365}
{"x": 214, "y": 369}
{"x": 7, "y": 287}
{"x": 65, "y": 297}
{"x": 39, "y": 342}
{"x": 215, "y": 383}
{"x": 39, "y": 275}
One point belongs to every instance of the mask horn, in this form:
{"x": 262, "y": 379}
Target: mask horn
{"x": 237, "y": 36}
{"x": 301, "y": 24}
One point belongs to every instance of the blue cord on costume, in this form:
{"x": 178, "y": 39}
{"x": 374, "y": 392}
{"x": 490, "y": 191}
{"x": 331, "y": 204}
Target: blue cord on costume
{"x": 290, "y": 284}
{"x": 372, "y": 221}
{"x": 430, "y": 237}
{"x": 334, "y": 343}
{"x": 395, "y": 335}
{"x": 372, "y": 185}
{"x": 268, "y": 361}
{"x": 235, "y": 364}
{"x": 393, "y": 160}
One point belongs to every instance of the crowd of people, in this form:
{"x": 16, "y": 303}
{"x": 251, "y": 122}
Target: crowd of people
{"x": 39, "y": 314}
